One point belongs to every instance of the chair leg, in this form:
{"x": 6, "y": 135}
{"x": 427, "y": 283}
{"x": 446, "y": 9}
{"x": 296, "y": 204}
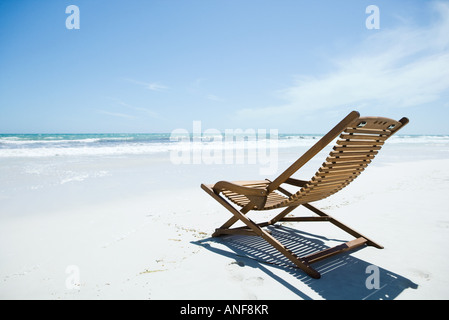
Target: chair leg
{"x": 342, "y": 226}
{"x": 232, "y": 220}
{"x": 302, "y": 263}
{"x": 240, "y": 215}
{"x": 283, "y": 214}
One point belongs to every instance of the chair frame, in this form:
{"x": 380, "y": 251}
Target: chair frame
{"x": 258, "y": 196}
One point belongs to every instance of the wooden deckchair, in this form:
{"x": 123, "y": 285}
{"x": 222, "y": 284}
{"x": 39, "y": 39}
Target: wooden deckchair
{"x": 360, "y": 139}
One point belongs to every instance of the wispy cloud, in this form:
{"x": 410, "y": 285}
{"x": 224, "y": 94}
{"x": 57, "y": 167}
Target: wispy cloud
{"x": 403, "y": 67}
{"x": 146, "y": 111}
{"x": 116, "y": 114}
{"x": 156, "y": 86}
{"x": 138, "y": 110}
{"x": 213, "y": 97}
{"x": 197, "y": 88}
{"x": 153, "y": 86}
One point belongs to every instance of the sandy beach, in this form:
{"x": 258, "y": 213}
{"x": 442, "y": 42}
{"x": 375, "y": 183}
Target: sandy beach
{"x": 139, "y": 227}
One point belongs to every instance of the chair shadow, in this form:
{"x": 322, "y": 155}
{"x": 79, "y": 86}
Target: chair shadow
{"x": 343, "y": 277}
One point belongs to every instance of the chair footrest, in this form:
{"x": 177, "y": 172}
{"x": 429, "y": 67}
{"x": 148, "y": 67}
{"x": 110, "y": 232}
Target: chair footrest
{"x": 317, "y": 256}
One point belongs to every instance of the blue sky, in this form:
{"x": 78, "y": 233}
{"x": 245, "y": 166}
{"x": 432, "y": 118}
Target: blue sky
{"x": 157, "y": 65}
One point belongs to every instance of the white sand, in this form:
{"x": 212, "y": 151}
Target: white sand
{"x": 142, "y": 231}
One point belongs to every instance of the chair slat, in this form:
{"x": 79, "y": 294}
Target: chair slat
{"x": 350, "y": 148}
{"x": 346, "y": 153}
{"x": 363, "y": 137}
{"x": 368, "y": 131}
{"x": 348, "y": 158}
{"x": 359, "y": 143}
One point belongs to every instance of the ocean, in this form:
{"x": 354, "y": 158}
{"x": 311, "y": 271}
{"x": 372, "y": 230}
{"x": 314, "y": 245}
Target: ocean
{"x": 32, "y": 162}
{"x": 51, "y": 145}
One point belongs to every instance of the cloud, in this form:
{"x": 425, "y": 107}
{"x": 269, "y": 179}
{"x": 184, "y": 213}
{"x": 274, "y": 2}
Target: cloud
{"x": 156, "y": 86}
{"x": 153, "y": 86}
{"x": 145, "y": 111}
{"x": 116, "y": 114}
{"x": 198, "y": 88}
{"x": 213, "y": 97}
{"x": 402, "y": 67}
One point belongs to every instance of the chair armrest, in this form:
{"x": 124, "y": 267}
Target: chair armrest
{"x": 296, "y": 182}
{"x": 225, "y": 185}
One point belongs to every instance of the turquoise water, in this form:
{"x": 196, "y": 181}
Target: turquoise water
{"x": 41, "y": 145}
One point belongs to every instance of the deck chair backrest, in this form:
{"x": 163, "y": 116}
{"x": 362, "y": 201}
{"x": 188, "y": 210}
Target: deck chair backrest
{"x": 317, "y": 147}
{"x": 359, "y": 141}
{"x": 355, "y": 149}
